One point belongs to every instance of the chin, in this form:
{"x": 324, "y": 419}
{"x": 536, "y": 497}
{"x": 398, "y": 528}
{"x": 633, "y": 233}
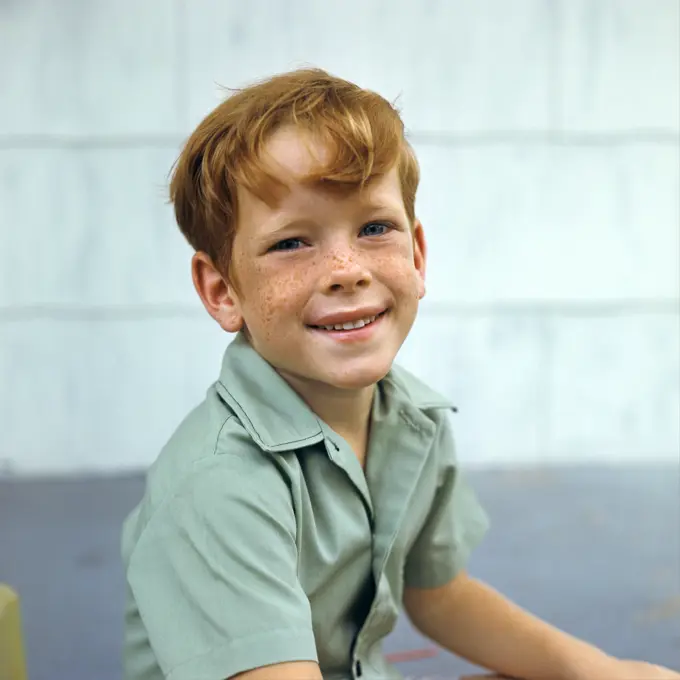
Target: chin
{"x": 359, "y": 378}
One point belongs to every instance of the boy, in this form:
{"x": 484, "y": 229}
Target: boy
{"x": 315, "y": 490}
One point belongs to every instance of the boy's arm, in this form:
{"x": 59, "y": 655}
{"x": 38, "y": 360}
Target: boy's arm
{"x": 478, "y": 624}
{"x": 295, "y": 670}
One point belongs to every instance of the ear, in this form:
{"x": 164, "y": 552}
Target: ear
{"x": 217, "y": 294}
{"x": 419, "y": 256}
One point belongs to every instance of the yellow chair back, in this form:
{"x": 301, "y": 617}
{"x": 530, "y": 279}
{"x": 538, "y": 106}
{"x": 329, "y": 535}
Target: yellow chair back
{"x": 12, "y": 659}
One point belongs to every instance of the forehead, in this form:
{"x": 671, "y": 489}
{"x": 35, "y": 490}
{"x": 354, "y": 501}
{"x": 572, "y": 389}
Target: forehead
{"x": 292, "y": 156}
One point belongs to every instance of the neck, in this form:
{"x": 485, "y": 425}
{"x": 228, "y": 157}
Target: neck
{"x": 347, "y": 412}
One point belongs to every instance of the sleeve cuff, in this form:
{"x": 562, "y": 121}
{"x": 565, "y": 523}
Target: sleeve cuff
{"x": 440, "y": 567}
{"x": 263, "y": 649}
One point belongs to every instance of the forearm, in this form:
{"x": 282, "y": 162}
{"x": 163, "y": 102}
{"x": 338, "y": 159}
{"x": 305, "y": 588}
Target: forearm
{"x": 475, "y": 622}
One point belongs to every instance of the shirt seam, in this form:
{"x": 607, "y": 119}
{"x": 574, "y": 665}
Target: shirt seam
{"x": 218, "y": 437}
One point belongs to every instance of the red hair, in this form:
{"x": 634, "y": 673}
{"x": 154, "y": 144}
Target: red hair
{"x": 363, "y": 131}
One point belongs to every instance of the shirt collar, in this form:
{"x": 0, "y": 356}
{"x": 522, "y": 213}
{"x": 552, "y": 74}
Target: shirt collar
{"x": 269, "y": 409}
{"x": 277, "y": 418}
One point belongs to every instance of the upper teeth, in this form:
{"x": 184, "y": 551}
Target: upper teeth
{"x": 349, "y": 325}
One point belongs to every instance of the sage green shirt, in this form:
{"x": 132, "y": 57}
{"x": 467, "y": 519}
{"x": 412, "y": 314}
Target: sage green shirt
{"x": 260, "y": 539}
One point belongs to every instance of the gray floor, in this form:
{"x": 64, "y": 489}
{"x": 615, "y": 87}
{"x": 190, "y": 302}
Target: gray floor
{"x": 594, "y": 551}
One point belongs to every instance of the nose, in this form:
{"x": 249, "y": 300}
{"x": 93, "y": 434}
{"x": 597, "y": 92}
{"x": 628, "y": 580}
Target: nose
{"x": 345, "y": 272}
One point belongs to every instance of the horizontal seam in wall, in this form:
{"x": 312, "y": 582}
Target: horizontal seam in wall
{"x": 440, "y": 138}
{"x": 151, "y": 312}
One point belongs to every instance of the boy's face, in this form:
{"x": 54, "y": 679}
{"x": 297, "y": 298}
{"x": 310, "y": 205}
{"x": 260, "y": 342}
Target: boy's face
{"x": 319, "y": 261}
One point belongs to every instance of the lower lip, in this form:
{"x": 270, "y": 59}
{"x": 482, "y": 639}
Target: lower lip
{"x": 354, "y": 334}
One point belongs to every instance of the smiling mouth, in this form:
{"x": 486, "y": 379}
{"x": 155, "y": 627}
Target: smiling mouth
{"x": 350, "y": 325}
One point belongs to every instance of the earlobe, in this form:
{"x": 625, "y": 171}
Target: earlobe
{"x": 419, "y": 256}
{"x": 217, "y": 295}
{"x": 421, "y": 288}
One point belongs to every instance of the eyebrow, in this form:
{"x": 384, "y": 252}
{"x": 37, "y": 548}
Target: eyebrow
{"x": 376, "y": 205}
{"x": 381, "y": 208}
{"x": 289, "y": 226}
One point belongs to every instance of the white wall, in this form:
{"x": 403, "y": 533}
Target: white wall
{"x": 548, "y": 137}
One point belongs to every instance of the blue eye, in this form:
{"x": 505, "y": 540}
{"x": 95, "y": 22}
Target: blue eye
{"x": 374, "y": 229}
{"x": 288, "y": 244}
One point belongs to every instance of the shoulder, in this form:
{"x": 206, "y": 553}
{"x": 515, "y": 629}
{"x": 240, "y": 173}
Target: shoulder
{"x": 210, "y": 464}
{"x": 211, "y": 438}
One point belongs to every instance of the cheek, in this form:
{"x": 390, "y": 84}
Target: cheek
{"x": 399, "y": 269}
{"x": 274, "y": 295}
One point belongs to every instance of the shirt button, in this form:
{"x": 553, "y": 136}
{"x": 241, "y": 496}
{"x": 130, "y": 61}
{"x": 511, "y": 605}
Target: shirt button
{"x": 357, "y": 668}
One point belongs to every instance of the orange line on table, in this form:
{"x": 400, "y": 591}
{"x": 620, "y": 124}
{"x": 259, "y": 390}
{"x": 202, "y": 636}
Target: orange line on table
{"x": 412, "y": 654}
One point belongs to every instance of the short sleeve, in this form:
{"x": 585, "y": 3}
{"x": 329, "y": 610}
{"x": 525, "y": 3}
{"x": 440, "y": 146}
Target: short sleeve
{"x": 214, "y": 574}
{"x": 455, "y": 524}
